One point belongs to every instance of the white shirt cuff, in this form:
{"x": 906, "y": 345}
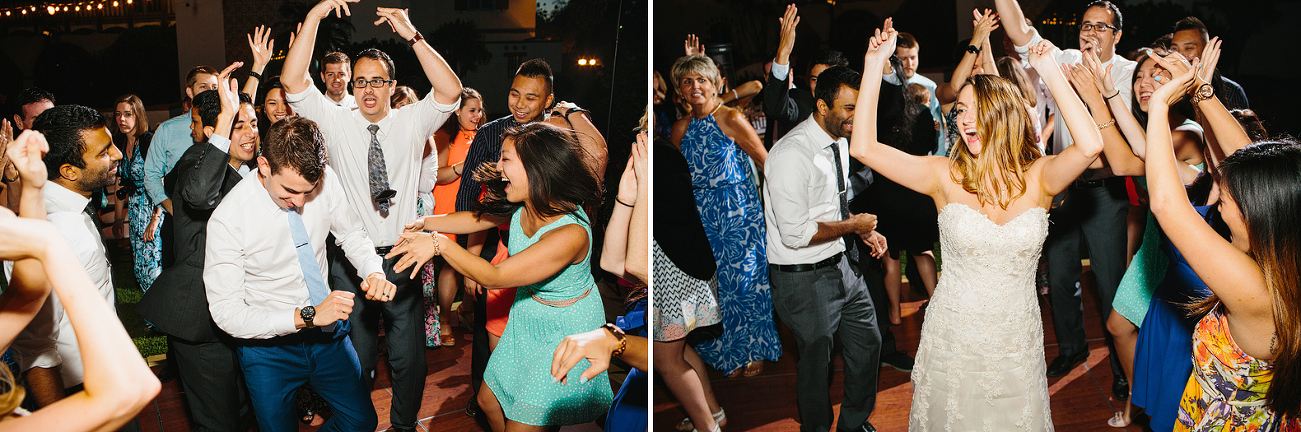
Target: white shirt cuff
{"x": 780, "y": 71}
{"x": 220, "y": 142}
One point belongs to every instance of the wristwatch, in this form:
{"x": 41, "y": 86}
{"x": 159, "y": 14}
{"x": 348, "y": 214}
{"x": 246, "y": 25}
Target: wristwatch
{"x": 1204, "y": 92}
{"x": 308, "y": 313}
{"x": 618, "y": 334}
{"x": 973, "y": 49}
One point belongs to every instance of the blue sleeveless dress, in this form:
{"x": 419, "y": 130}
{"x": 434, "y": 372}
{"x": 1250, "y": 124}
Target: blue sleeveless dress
{"x": 1163, "y": 360}
{"x": 729, "y": 209}
{"x": 519, "y": 370}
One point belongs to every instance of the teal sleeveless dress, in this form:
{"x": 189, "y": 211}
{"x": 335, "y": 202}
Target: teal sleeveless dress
{"x": 519, "y": 370}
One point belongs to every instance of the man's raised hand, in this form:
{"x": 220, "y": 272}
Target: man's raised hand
{"x": 788, "y": 21}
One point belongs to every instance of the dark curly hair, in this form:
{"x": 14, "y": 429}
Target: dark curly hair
{"x": 559, "y": 181}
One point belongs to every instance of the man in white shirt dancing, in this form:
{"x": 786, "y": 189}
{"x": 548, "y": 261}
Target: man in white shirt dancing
{"x": 265, "y": 279}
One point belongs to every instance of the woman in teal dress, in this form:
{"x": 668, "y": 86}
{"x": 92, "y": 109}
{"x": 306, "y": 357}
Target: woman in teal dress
{"x": 143, "y": 216}
{"x": 540, "y": 187}
{"x": 719, "y": 145}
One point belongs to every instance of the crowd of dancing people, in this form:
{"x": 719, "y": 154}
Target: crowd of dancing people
{"x": 810, "y": 191}
{"x": 279, "y": 231}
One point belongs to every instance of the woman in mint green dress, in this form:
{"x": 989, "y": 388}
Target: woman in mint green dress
{"x": 539, "y": 187}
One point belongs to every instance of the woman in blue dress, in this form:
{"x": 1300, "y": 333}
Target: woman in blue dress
{"x": 719, "y": 145}
{"x": 143, "y": 216}
{"x": 540, "y": 187}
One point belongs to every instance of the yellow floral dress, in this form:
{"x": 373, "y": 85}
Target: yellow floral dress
{"x": 1226, "y": 391}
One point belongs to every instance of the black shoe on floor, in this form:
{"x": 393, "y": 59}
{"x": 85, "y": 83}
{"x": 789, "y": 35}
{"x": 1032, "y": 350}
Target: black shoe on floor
{"x": 1120, "y": 388}
{"x": 1062, "y": 365}
{"x": 865, "y": 427}
{"x": 472, "y": 408}
{"x": 898, "y": 360}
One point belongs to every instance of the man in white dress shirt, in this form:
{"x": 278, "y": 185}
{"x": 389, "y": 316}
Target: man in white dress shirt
{"x": 336, "y": 72}
{"x": 376, "y": 151}
{"x": 1093, "y": 209}
{"x": 816, "y": 288}
{"x": 82, "y": 158}
{"x": 265, "y": 279}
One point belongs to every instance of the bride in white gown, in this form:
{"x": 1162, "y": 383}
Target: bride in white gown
{"x": 980, "y": 365}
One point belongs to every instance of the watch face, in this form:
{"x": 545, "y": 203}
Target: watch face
{"x": 1205, "y": 91}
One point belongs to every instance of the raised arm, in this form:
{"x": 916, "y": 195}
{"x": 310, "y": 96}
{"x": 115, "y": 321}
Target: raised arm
{"x": 568, "y": 115}
{"x": 447, "y": 86}
{"x": 614, "y": 258}
{"x": 294, "y": 74}
{"x": 777, "y": 103}
{"x": 1020, "y": 31}
{"x": 28, "y": 288}
{"x": 117, "y": 381}
{"x": 1060, "y": 170}
{"x": 1230, "y": 273}
{"x": 1118, "y": 155}
{"x": 261, "y": 44}
{"x": 200, "y": 188}
{"x": 637, "y": 262}
{"x": 1223, "y": 130}
{"x": 919, "y": 173}
{"x": 985, "y": 24}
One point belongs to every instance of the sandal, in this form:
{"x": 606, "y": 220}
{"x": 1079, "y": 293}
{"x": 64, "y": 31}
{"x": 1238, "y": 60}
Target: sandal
{"x": 753, "y": 368}
{"x": 1118, "y": 421}
{"x": 720, "y": 418}
{"x": 448, "y": 339}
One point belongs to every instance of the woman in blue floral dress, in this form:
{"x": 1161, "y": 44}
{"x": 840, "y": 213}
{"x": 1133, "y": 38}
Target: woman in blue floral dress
{"x": 719, "y": 145}
{"x": 143, "y": 216}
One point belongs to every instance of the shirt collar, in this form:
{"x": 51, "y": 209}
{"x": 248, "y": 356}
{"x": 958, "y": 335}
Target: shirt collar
{"x": 59, "y": 199}
{"x": 817, "y": 136}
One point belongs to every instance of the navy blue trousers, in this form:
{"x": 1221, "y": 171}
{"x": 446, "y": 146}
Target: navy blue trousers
{"x": 275, "y": 368}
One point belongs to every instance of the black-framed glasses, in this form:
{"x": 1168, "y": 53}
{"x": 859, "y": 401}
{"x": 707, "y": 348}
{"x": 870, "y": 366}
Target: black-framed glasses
{"x": 1088, "y": 27}
{"x": 361, "y": 83}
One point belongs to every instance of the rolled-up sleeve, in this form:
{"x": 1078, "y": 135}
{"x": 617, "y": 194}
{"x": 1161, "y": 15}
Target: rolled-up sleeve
{"x": 349, "y": 233}
{"x": 788, "y": 195}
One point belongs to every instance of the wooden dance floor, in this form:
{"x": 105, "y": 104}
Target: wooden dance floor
{"x": 1080, "y": 401}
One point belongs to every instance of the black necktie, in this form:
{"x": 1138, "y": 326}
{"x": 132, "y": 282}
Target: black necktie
{"x": 379, "y": 187}
{"x": 850, "y": 250}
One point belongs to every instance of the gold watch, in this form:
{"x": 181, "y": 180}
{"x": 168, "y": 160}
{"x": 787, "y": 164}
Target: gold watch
{"x": 1204, "y": 92}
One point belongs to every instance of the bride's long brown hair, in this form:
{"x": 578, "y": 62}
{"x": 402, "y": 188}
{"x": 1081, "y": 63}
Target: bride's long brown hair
{"x": 997, "y": 174}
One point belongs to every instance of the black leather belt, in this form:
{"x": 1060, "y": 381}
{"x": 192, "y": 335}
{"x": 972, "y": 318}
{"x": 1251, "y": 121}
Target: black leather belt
{"x": 792, "y": 268}
{"x": 1082, "y": 183}
{"x": 383, "y": 250}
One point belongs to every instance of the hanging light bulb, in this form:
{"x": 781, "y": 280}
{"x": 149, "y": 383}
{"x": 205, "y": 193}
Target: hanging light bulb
{"x": 51, "y": 9}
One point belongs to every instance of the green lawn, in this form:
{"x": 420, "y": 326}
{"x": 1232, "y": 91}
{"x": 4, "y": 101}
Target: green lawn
{"x": 149, "y": 342}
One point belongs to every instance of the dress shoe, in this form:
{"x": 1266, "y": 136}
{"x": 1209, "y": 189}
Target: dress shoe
{"x": 1120, "y": 388}
{"x": 865, "y": 427}
{"x": 472, "y": 407}
{"x": 898, "y": 360}
{"x": 1062, "y": 365}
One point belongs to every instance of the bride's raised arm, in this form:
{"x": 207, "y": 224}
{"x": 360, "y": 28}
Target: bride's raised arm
{"x": 919, "y": 173}
{"x": 1060, "y": 170}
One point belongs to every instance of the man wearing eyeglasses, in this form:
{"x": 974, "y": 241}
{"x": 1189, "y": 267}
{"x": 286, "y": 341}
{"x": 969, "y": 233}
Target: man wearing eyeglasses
{"x": 1093, "y": 209}
{"x": 376, "y": 151}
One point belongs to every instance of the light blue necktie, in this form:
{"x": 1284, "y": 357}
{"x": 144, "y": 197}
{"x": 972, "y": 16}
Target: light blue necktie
{"x": 317, "y": 290}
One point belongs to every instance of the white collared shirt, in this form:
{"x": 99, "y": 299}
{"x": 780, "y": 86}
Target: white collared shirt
{"x": 66, "y": 210}
{"x": 251, "y": 270}
{"x": 1122, "y": 74}
{"x": 348, "y": 101}
{"x": 402, "y": 136}
{"x": 800, "y": 190}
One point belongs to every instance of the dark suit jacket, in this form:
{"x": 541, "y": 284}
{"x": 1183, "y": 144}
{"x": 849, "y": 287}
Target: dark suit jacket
{"x": 784, "y": 107}
{"x": 177, "y": 304}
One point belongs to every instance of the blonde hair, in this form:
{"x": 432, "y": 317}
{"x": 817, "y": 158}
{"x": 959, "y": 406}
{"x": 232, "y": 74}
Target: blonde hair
{"x": 699, "y": 65}
{"x": 11, "y": 394}
{"x": 997, "y": 175}
{"x": 137, "y": 109}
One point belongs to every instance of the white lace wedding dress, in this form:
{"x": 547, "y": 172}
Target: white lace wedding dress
{"x": 980, "y": 365}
